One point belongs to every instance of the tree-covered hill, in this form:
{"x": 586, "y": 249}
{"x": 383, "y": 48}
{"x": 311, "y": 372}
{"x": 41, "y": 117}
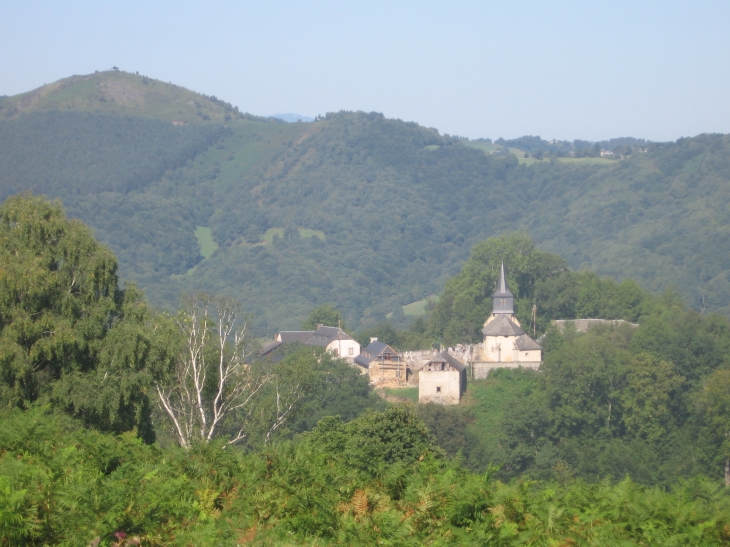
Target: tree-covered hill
{"x": 353, "y": 209}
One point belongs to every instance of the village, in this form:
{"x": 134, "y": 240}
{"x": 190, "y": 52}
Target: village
{"x": 441, "y": 377}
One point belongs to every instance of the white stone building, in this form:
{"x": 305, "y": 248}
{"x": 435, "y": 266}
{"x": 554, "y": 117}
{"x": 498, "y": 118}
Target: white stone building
{"x": 442, "y": 380}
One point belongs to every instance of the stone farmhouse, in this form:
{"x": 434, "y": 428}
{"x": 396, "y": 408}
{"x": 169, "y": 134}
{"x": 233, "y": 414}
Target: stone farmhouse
{"x": 334, "y": 339}
{"x": 442, "y": 380}
{"x": 385, "y": 366}
{"x": 505, "y": 344}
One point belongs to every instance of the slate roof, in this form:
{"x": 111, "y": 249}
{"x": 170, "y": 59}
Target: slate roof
{"x": 502, "y": 290}
{"x": 362, "y": 361}
{"x": 375, "y": 348}
{"x": 288, "y": 336}
{"x": 271, "y": 346}
{"x": 444, "y": 357}
{"x": 502, "y": 326}
{"x": 324, "y": 335}
{"x": 525, "y": 343}
{"x": 320, "y": 337}
{"x": 371, "y": 352}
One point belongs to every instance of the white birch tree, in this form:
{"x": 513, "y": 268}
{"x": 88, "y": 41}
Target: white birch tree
{"x": 211, "y": 382}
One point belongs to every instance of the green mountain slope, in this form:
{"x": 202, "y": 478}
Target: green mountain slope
{"x": 120, "y": 93}
{"x": 354, "y": 209}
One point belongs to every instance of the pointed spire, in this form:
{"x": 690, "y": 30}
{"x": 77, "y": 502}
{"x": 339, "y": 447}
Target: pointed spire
{"x": 502, "y": 282}
{"x": 502, "y": 289}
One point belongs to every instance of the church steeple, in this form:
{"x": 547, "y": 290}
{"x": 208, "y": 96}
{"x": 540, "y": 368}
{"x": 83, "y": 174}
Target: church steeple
{"x": 503, "y": 299}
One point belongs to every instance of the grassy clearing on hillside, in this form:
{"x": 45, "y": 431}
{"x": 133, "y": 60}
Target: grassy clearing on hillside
{"x": 404, "y": 393}
{"x": 268, "y": 237}
{"x": 205, "y": 239}
{"x": 587, "y": 161}
{"x": 418, "y": 308}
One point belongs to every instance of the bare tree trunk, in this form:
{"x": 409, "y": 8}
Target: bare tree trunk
{"x": 727, "y": 472}
{"x": 196, "y": 417}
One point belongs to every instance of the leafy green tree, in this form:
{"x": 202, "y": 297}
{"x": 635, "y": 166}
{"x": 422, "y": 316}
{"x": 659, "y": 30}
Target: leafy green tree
{"x": 650, "y": 385}
{"x": 327, "y": 315}
{"x": 713, "y": 408}
{"x": 68, "y": 334}
{"x": 583, "y": 381}
{"x": 375, "y": 439}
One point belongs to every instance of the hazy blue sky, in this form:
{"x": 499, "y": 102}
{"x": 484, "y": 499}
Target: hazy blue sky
{"x": 560, "y": 69}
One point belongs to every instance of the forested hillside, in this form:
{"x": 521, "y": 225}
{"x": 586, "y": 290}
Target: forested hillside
{"x": 121, "y": 426}
{"x": 353, "y": 209}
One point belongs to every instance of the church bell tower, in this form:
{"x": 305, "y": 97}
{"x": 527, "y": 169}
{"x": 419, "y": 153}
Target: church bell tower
{"x": 503, "y": 299}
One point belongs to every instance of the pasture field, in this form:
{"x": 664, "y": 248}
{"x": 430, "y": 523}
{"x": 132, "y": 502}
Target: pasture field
{"x": 418, "y": 308}
{"x": 204, "y": 235}
{"x": 404, "y": 393}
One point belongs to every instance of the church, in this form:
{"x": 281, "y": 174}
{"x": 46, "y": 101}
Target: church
{"x": 505, "y": 344}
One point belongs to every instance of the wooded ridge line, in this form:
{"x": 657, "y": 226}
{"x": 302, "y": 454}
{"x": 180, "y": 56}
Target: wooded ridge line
{"x": 353, "y": 209}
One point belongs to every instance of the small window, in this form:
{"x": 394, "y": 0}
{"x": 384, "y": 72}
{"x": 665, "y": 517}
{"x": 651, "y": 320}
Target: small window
{"x": 438, "y": 389}
{"x": 352, "y": 351}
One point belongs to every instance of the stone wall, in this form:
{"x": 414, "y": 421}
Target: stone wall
{"x": 389, "y": 374}
{"x": 582, "y": 325}
{"x": 481, "y": 370}
{"x": 440, "y": 386}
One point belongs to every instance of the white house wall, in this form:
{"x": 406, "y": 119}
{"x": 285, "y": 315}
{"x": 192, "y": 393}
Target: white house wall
{"x": 347, "y": 349}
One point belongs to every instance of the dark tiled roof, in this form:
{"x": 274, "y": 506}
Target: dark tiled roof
{"x": 502, "y": 290}
{"x": 288, "y": 336}
{"x": 375, "y": 348}
{"x": 320, "y": 337}
{"x": 444, "y": 357}
{"x": 502, "y": 326}
{"x": 525, "y": 343}
{"x": 324, "y": 335}
{"x": 362, "y": 361}
{"x": 271, "y": 346}
{"x": 453, "y": 361}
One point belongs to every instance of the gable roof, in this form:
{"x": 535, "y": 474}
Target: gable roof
{"x": 372, "y": 351}
{"x": 323, "y": 336}
{"x": 525, "y": 343}
{"x": 271, "y": 346}
{"x": 502, "y": 326}
{"x": 444, "y": 357}
{"x": 288, "y": 336}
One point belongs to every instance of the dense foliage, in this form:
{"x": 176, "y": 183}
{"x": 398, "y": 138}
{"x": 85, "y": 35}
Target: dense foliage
{"x": 67, "y": 333}
{"x": 63, "y": 485}
{"x": 79, "y": 359}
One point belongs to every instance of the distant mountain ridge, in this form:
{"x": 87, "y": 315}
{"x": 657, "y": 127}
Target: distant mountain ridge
{"x": 292, "y": 117}
{"x": 353, "y": 209}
